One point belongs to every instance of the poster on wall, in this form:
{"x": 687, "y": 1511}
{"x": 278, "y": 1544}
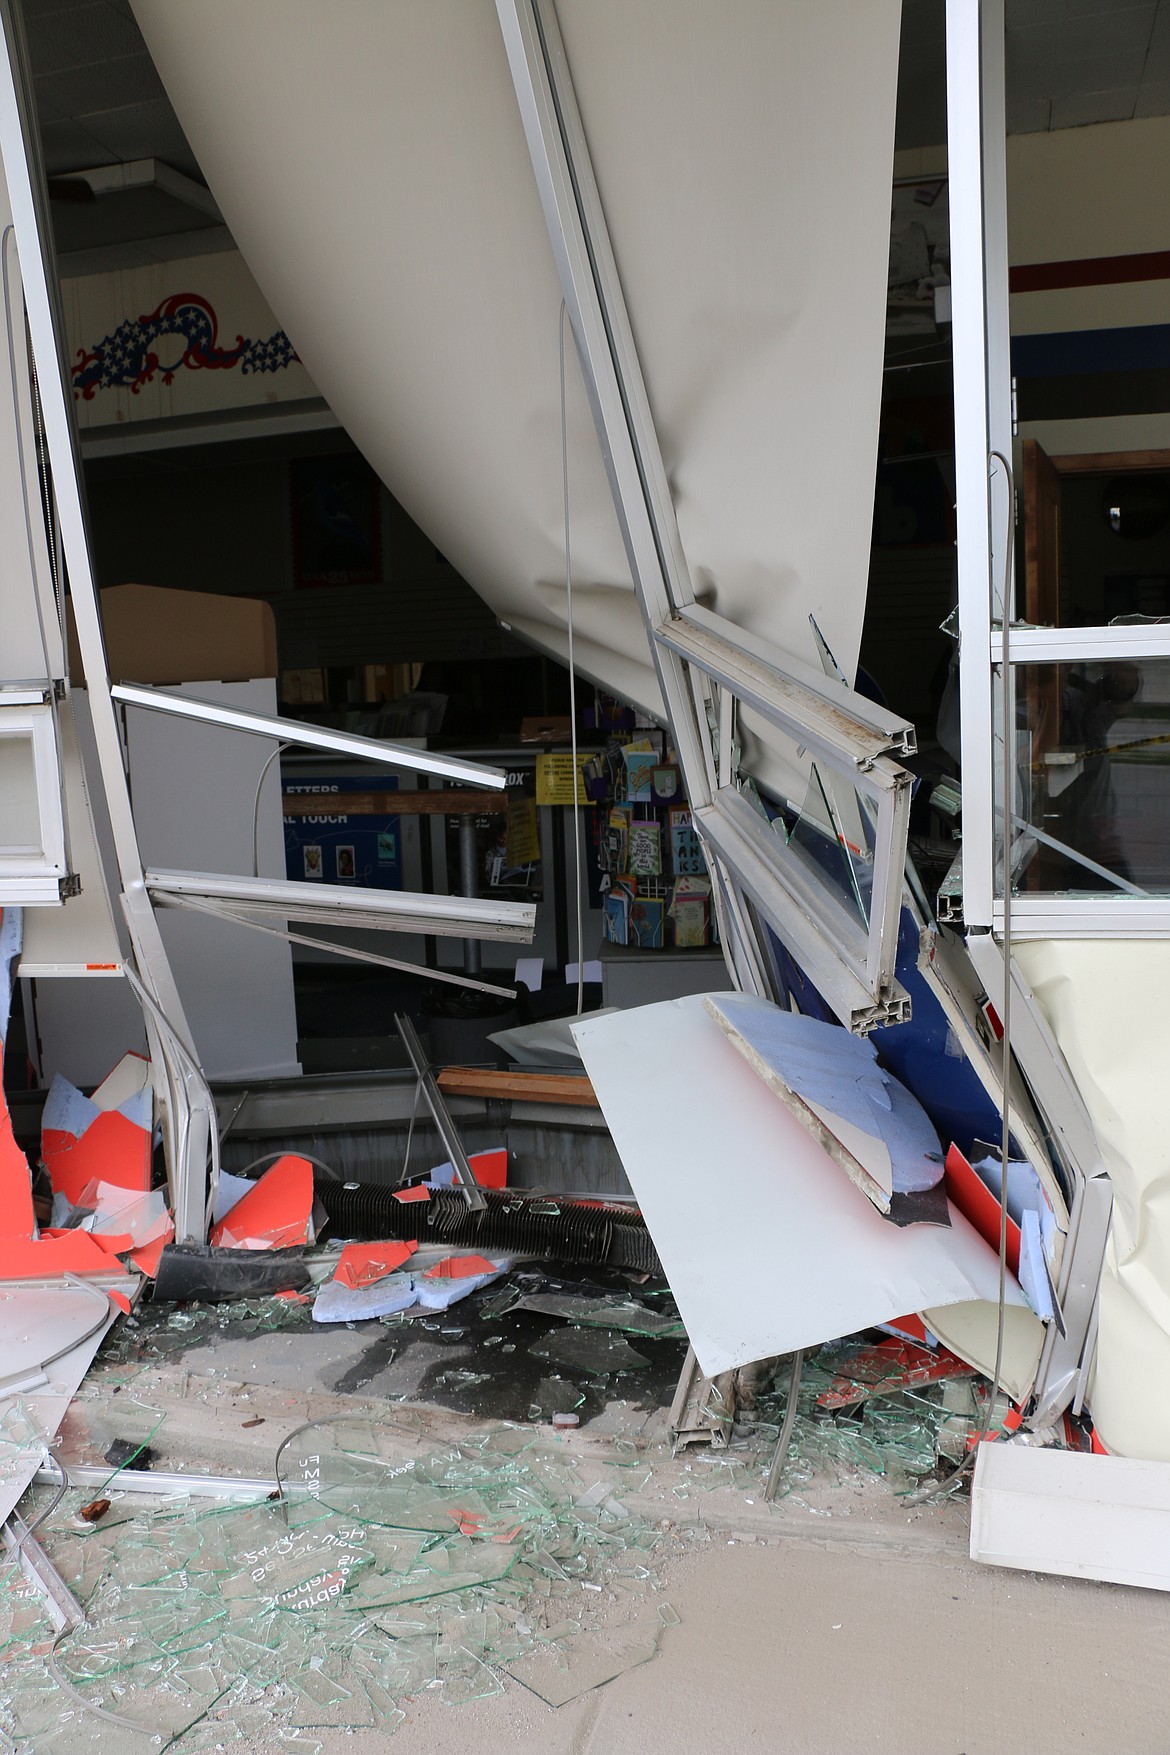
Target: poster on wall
{"x": 502, "y": 868}
{"x": 332, "y": 848}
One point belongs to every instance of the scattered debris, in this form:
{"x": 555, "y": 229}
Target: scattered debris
{"x": 103, "y": 1138}
{"x": 363, "y": 1264}
{"x": 94, "y": 1511}
{"x": 386, "y": 1567}
{"x": 888, "y": 1367}
{"x": 275, "y": 1213}
{"x": 125, "y": 1450}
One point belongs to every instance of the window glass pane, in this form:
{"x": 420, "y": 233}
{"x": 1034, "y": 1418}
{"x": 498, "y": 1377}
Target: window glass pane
{"x": 1092, "y": 781}
{"x": 835, "y": 832}
{"x": 20, "y": 817}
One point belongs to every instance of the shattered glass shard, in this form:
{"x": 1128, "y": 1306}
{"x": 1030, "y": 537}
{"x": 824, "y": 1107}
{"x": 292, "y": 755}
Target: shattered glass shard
{"x": 582, "y": 1662}
{"x": 595, "y": 1351}
{"x": 621, "y": 1314}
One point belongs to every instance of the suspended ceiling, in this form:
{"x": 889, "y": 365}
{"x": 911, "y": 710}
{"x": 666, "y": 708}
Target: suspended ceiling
{"x": 101, "y": 102}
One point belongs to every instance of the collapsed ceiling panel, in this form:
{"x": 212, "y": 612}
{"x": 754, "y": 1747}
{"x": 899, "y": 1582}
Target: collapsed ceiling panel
{"x": 391, "y": 143}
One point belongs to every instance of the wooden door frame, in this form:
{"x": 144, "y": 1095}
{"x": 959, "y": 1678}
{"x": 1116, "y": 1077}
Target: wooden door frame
{"x": 1111, "y": 462}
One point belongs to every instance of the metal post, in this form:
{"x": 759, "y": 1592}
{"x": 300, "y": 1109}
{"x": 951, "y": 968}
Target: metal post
{"x": 972, "y": 447}
{"x": 469, "y": 886}
{"x": 440, "y": 1114}
{"x": 185, "y": 1104}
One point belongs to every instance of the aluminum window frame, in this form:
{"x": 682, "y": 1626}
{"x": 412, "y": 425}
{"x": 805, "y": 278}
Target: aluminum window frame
{"x": 699, "y": 659}
{"x": 976, "y": 154}
{"x": 33, "y": 876}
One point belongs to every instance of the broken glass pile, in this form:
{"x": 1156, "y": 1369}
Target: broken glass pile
{"x": 386, "y": 1565}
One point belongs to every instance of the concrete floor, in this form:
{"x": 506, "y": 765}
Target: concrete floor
{"x": 815, "y": 1649}
{"x": 841, "y": 1620}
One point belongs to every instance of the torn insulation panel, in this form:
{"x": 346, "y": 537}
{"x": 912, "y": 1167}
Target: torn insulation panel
{"x": 103, "y": 1138}
{"x": 865, "y": 1119}
{"x": 766, "y": 1245}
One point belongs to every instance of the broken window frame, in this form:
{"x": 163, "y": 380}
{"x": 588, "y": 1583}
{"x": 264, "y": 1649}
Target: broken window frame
{"x": 985, "y": 528}
{"x": 35, "y": 875}
{"x": 992, "y": 643}
{"x": 703, "y": 663}
{"x": 186, "y": 1108}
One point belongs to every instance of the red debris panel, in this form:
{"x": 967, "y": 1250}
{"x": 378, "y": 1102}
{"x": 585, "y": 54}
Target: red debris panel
{"x": 362, "y": 1264}
{"x": 888, "y": 1367}
{"x": 103, "y": 1138}
{"x": 980, "y": 1207}
{"x": 461, "y": 1267}
{"x": 275, "y": 1214}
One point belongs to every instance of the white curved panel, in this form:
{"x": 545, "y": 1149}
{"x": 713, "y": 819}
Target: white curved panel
{"x": 1105, "y": 1001}
{"x": 370, "y": 160}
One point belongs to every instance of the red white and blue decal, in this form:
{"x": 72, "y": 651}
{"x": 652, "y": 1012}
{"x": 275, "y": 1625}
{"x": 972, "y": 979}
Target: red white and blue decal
{"x": 182, "y": 334}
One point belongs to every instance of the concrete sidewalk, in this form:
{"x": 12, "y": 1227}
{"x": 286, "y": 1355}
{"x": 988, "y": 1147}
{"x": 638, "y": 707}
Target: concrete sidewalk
{"x": 812, "y": 1648}
{"x": 843, "y": 1620}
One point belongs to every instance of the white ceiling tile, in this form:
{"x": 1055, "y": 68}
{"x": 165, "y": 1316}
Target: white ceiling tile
{"x": 1028, "y": 115}
{"x": 149, "y": 130}
{"x": 1079, "y": 109}
{"x": 1153, "y": 99}
{"x": 80, "y": 91}
{"x": 1158, "y": 58}
{"x": 1090, "y": 73}
{"x": 81, "y": 37}
{"x": 1025, "y": 12}
{"x": 40, "y": 8}
{"x": 1123, "y": 30}
{"x": 70, "y": 147}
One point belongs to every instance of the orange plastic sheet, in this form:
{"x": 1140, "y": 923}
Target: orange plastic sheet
{"x": 53, "y": 1253}
{"x": 980, "y": 1207}
{"x": 490, "y": 1169}
{"x": 886, "y": 1369}
{"x": 16, "y": 1207}
{"x": 362, "y": 1264}
{"x": 103, "y": 1138}
{"x": 275, "y": 1214}
{"x": 146, "y": 1259}
{"x": 461, "y": 1267}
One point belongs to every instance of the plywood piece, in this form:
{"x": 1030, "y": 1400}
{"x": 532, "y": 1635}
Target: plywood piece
{"x": 508, "y": 1085}
{"x": 1073, "y": 1514}
{"x": 425, "y": 803}
{"x": 766, "y": 1245}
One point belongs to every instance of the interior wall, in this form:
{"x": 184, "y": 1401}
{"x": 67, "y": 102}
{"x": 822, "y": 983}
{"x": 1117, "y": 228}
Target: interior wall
{"x": 1088, "y": 205}
{"x": 1089, "y": 251}
{"x": 221, "y": 519}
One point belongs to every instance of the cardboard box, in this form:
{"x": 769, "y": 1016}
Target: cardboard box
{"x": 156, "y": 635}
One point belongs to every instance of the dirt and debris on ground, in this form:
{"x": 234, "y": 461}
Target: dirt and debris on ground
{"x": 429, "y": 1541}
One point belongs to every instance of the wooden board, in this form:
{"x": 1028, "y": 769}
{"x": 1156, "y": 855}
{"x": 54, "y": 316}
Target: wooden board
{"x": 509, "y": 1085}
{"x": 428, "y": 803}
